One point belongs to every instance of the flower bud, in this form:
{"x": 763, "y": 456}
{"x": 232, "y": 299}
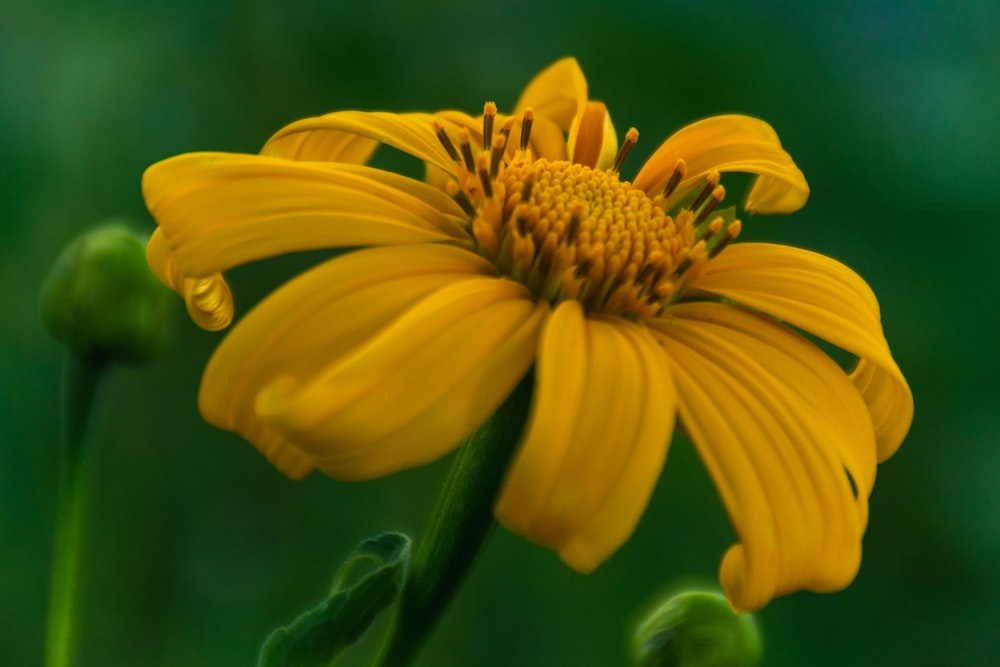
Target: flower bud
{"x": 696, "y": 629}
{"x": 100, "y": 298}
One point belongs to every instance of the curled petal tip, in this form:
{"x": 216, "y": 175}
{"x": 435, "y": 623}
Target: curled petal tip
{"x": 209, "y": 302}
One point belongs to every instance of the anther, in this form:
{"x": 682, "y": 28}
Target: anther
{"x": 461, "y": 198}
{"x": 631, "y": 137}
{"x": 713, "y": 180}
{"x": 522, "y": 224}
{"x": 692, "y": 256}
{"x": 680, "y": 168}
{"x": 664, "y": 289}
{"x": 583, "y": 268}
{"x": 484, "y": 174}
{"x": 470, "y": 162}
{"x": 489, "y": 114}
{"x": 546, "y": 252}
{"x": 718, "y": 194}
{"x": 644, "y": 273}
{"x": 731, "y": 233}
{"x": 526, "y": 187}
{"x": 496, "y": 154}
{"x": 445, "y": 141}
{"x": 712, "y": 228}
{"x": 576, "y": 214}
{"x": 529, "y": 118}
{"x": 505, "y": 131}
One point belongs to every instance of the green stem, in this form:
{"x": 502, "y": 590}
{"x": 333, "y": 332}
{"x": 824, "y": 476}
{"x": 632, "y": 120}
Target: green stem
{"x": 81, "y": 379}
{"x": 459, "y": 526}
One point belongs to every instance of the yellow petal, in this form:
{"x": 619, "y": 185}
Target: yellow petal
{"x": 822, "y": 296}
{"x": 596, "y": 438}
{"x": 890, "y": 402}
{"x": 220, "y": 210}
{"x": 314, "y": 319}
{"x": 556, "y": 94}
{"x": 330, "y": 137}
{"x": 208, "y": 299}
{"x": 615, "y": 521}
{"x": 777, "y": 423}
{"x": 319, "y": 145}
{"x": 729, "y": 143}
{"x": 592, "y": 139}
{"x": 416, "y": 388}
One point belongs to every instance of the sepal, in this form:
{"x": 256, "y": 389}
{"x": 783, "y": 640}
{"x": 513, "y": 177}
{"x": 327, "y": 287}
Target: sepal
{"x": 696, "y": 629}
{"x": 323, "y": 633}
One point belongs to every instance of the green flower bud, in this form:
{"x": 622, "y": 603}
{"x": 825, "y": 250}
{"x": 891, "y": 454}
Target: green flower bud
{"x": 696, "y": 629}
{"x": 101, "y": 300}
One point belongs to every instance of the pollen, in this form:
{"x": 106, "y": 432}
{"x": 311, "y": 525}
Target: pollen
{"x": 569, "y": 231}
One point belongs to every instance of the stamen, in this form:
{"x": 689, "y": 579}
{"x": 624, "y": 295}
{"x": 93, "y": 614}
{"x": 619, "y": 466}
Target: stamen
{"x": 460, "y": 197}
{"x": 546, "y": 252}
{"x": 718, "y": 194}
{"x": 690, "y": 259}
{"x": 684, "y": 266}
{"x": 489, "y": 114}
{"x": 567, "y": 231}
{"x": 664, "y": 289}
{"x": 680, "y": 168}
{"x": 505, "y": 131}
{"x": 526, "y": 187}
{"x": 484, "y": 174}
{"x": 645, "y": 272}
{"x": 731, "y": 233}
{"x": 711, "y": 229}
{"x": 713, "y": 180}
{"x": 529, "y": 118}
{"x": 496, "y": 154}
{"x": 631, "y": 137}
{"x": 445, "y": 141}
{"x": 470, "y": 161}
{"x": 576, "y": 214}
{"x": 522, "y": 224}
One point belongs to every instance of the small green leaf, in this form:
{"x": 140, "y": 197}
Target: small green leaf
{"x": 378, "y": 568}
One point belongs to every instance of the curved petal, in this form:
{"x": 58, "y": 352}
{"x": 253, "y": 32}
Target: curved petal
{"x": 323, "y": 138}
{"x": 822, "y": 296}
{"x": 777, "y": 423}
{"x": 208, "y": 299}
{"x": 219, "y": 210}
{"x": 557, "y": 93}
{"x": 313, "y": 320}
{"x": 321, "y": 146}
{"x": 416, "y": 388}
{"x": 592, "y": 139}
{"x": 728, "y": 143}
{"x": 596, "y": 439}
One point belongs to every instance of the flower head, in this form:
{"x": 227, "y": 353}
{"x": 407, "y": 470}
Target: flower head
{"x": 524, "y": 247}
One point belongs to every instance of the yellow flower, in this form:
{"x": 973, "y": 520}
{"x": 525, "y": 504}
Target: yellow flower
{"x": 524, "y": 247}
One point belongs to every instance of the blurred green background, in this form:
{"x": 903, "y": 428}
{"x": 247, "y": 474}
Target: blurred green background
{"x": 199, "y": 547}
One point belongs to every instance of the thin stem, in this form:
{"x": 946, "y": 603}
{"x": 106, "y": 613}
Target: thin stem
{"x": 81, "y": 380}
{"x": 460, "y": 524}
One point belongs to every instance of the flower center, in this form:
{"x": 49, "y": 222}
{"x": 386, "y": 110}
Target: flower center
{"x": 568, "y": 231}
